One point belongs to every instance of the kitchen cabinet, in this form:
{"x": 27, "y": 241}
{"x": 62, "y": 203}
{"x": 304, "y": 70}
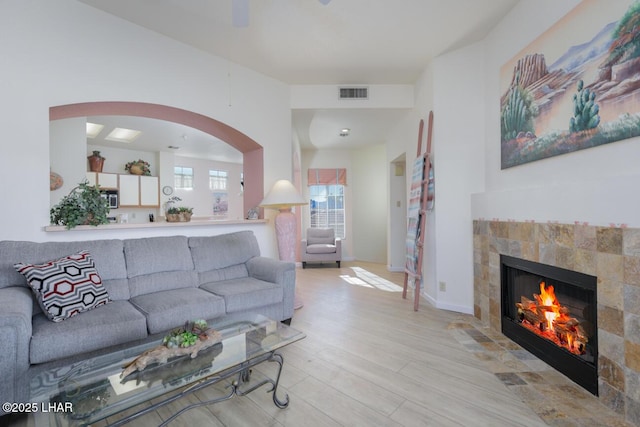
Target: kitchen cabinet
{"x": 149, "y": 191}
{"x": 139, "y": 191}
{"x": 104, "y": 180}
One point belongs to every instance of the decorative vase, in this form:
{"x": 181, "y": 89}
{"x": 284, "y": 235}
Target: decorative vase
{"x": 96, "y": 162}
{"x": 136, "y": 169}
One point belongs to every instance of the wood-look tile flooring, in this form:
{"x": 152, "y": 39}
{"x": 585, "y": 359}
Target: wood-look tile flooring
{"x": 370, "y": 360}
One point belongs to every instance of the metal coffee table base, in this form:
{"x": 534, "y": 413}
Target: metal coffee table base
{"x": 243, "y": 372}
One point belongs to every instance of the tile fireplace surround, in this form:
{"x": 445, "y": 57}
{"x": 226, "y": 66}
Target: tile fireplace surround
{"x": 611, "y": 254}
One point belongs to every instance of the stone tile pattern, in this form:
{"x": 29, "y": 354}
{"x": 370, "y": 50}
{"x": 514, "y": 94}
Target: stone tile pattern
{"x": 612, "y": 254}
{"x": 553, "y": 397}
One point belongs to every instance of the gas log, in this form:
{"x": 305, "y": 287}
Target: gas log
{"x": 551, "y": 320}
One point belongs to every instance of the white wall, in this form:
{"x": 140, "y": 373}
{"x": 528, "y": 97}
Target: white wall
{"x": 330, "y": 159}
{"x": 68, "y": 154}
{"x": 200, "y": 197}
{"x": 326, "y": 96}
{"x": 366, "y": 198}
{"x": 458, "y": 168}
{"x": 65, "y": 52}
{"x": 597, "y": 185}
{"x": 397, "y": 211}
{"x": 403, "y": 141}
{"x": 370, "y": 198}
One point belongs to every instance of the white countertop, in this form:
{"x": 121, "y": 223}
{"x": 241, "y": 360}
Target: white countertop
{"x": 158, "y": 224}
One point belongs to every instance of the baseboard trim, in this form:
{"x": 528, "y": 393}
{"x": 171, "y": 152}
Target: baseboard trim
{"x": 449, "y": 307}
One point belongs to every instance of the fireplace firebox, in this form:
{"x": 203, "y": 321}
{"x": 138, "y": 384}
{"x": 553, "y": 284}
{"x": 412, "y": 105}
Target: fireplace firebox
{"x": 552, "y": 313}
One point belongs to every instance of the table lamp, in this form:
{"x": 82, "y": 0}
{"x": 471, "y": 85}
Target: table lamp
{"x": 282, "y": 196}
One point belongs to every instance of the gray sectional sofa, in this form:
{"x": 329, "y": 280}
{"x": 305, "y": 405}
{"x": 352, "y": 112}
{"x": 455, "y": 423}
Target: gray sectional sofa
{"x": 154, "y": 284}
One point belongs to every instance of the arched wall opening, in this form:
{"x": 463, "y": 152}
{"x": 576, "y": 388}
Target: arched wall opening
{"x": 253, "y": 161}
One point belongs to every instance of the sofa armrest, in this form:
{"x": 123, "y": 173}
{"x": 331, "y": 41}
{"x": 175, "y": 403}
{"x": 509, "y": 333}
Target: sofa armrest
{"x": 339, "y": 248}
{"x": 279, "y": 272}
{"x": 269, "y": 269}
{"x": 16, "y": 309}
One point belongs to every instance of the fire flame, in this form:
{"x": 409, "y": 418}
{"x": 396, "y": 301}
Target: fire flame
{"x": 548, "y": 298}
{"x": 547, "y": 318}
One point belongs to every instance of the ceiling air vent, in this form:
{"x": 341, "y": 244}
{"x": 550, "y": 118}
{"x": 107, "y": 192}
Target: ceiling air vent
{"x": 354, "y": 92}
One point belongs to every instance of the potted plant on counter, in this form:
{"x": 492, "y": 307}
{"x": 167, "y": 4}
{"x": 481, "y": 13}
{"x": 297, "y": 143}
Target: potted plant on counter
{"x": 84, "y": 205}
{"x": 179, "y": 214}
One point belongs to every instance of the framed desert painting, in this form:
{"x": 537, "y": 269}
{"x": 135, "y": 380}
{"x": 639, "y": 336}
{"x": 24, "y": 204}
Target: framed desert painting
{"x": 576, "y": 86}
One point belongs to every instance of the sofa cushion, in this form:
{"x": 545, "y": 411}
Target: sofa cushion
{"x": 156, "y": 255}
{"x": 320, "y": 248}
{"x": 216, "y": 252}
{"x": 150, "y": 283}
{"x": 245, "y": 293}
{"x": 320, "y": 236}
{"x": 227, "y": 273}
{"x": 108, "y": 256}
{"x": 115, "y": 323}
{"x": 170, "y": 309}
{"x": 67, "y": 286}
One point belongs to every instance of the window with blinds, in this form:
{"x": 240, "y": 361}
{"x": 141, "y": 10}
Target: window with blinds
{"x": 327, "y": 200}
{"x": 218, "y": 180}
{"x": 183, "y": 177}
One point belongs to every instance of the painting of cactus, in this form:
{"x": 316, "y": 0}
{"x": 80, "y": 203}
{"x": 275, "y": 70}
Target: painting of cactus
{"x": 517, "y": 112}
{"x": 585, "y": 110}
{"x": 566, "y": 93}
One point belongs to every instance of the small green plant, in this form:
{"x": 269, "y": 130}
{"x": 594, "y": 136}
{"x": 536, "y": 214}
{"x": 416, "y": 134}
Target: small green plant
{"x": 179, "y": 210}
{"x": 187, "y": 335}
{"x": 170, "y": 209}
{"x": 518, "y": 112}
{"x": 585, "y": 110}
{"x": 84, "y": 205}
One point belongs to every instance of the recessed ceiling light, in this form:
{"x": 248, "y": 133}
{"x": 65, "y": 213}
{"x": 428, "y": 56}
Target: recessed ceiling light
{"x": 345, "y": 132}
{"x": 123, "y": 135}
{"x": 93, "y": 129}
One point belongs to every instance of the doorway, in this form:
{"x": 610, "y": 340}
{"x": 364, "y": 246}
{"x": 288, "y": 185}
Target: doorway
{"x": 397, "y": 213}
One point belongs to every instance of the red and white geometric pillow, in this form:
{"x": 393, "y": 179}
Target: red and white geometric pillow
{"x": 66, "y": 286}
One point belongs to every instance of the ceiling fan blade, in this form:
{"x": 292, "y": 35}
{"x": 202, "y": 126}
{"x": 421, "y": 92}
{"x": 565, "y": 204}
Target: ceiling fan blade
{"x": 240, "y": 13}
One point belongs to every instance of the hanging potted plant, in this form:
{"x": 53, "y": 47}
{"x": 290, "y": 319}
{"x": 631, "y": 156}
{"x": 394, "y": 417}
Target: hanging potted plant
{"x": 96, "y": 161}
{"x": 84, "y": 205}
{"x": 138, "y": 167}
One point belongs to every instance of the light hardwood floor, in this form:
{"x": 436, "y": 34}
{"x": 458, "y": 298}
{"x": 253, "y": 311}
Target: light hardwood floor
{"x": 370, "y": 360}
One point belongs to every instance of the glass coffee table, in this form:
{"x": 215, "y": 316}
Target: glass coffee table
{"x": 85, "y": 392}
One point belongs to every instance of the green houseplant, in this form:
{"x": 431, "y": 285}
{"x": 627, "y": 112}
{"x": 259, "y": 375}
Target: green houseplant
{"x": 179, "y": 214}
{"x": 84, "y": 205}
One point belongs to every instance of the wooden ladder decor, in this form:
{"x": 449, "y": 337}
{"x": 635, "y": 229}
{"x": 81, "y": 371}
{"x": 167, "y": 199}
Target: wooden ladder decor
{"x": 420, "y": 200}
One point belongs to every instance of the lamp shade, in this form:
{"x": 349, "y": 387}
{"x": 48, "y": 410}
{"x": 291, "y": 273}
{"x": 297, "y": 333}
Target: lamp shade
{"x": 282, "y": 195}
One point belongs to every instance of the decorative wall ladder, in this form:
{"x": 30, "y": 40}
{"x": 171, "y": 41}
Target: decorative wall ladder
{"x": 421, "y": 200}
